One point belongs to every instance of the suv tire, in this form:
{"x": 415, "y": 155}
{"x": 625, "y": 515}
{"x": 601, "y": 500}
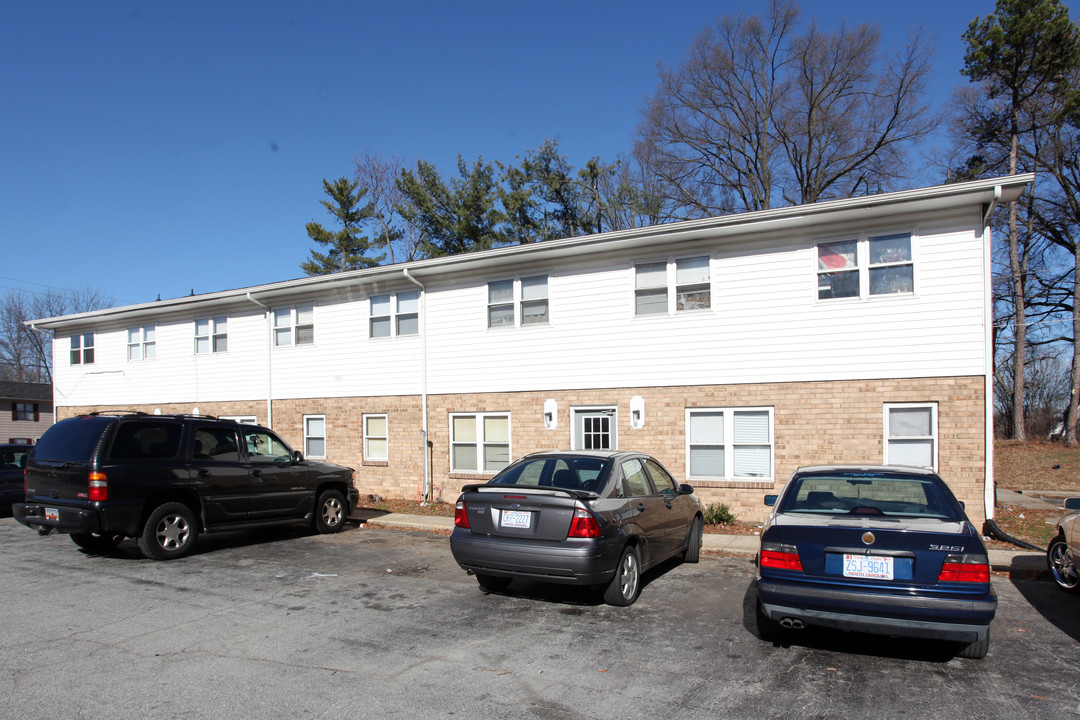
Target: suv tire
{"x": 169, "y": 532}
{"x": 330, "y": 512}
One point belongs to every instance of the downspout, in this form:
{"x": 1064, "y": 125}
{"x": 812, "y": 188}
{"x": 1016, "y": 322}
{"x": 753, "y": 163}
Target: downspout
{"x": 989, "y": 488}
{"x": 426, "y": 496}
{"x": 269, "y": 356}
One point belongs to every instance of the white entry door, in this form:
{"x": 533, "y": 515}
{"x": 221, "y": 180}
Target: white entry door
{"x": 595, "y": 429}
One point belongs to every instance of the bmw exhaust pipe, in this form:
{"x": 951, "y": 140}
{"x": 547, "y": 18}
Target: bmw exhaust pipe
{"x": 790, "y": 623}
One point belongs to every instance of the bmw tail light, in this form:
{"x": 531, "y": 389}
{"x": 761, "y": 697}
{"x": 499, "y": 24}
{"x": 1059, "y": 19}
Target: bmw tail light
{"x": 781, "y": 556}
{"x": 461, "y": 518}
{"x": 583, "y": 525}
{"x": 965, "y": 568}
{"x": 99, "y": 486}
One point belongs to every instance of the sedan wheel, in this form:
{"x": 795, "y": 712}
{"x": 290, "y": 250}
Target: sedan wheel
{"x": 626, "y": 585}
{"x": 1062, "y": 568}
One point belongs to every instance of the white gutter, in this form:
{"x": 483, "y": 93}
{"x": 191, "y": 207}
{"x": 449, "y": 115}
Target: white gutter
{"x": 426, "y": 496}
{"x": 269, "y": 363}
{"x": 989, "y": 489}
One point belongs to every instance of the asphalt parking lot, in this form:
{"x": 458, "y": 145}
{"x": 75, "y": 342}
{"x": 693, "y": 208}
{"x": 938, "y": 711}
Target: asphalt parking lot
{"x": 381, "y": 623}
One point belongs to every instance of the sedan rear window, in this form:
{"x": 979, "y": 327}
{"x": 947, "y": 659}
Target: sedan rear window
{"x": 588, "y": 474}
{"x": 911, "y": 496}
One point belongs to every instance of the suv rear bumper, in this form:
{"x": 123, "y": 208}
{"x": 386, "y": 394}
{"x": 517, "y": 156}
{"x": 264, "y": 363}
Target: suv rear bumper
{"x": 122, "y": 519}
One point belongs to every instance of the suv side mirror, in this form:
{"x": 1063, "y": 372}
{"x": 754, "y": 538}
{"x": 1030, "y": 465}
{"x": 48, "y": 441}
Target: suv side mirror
{"x": 297, "y": 457}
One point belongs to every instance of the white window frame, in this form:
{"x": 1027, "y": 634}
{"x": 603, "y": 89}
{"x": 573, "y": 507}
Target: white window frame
{"x": 729, "y": 443}
{"x": 677, "y": 289}
{"x": 527, "y": 292}
{"x": 395, "y": 313}
{"x": 888, "y": 437}
{"x": 294, "y": 326}
{"x": 82, "y": 349}
{"x": 369, "y": 455}
{"x": 480, "y": 442}
{"x": 309, "y": 436}
{"x": 241, "y": 419}
{"x": 217, "y": 329}
{"x": 141, "y": 343}
{"x": 864, "y": 268}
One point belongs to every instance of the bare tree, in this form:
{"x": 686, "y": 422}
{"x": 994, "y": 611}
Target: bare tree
{"x": 758, "y": 114}
{"x": 26, "y": 353}
{"x": 379, "y": 175}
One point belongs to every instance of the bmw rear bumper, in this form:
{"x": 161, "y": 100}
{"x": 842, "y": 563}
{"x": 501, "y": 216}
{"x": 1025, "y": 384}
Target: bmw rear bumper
{"x": 583, "y": 562}
{"x": 959, "y": 619}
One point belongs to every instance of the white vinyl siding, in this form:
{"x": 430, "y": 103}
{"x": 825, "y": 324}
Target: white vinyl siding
{"x": 479, "y": 443}
{"x": 729, "y": 443}
{"x": 911, "y": 434}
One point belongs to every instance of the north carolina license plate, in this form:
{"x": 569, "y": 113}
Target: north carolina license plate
{"x": 876, "y": 567}
{"x": 515, "y": 518}
{"x": 52, "y": 514}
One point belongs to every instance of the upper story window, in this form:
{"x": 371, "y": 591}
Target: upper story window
{"x": 519, "y": 302}
{"x": 142, "y": 343}
{"x": 394, "y": 314}
{"x": 25, "y": 411}
{"x": 294, "y": 326}
{"x": 866, "y": 266}
{"x": 729, "y": 443}
{"x": 690, "y": 278}
{"x": 211, "y": 335}
{"x": 82, "y": 349}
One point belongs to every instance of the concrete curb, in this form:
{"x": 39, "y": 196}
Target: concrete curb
{"x": 1025, "y": 561}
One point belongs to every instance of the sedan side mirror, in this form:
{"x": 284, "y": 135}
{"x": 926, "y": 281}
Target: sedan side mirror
{"x": 1072, "y": 503}
{"x": 685, "y": 489}
{"x": 770, "y": 500}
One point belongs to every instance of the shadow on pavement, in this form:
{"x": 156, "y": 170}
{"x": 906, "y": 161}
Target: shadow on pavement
{"x": 1060, "y": 608}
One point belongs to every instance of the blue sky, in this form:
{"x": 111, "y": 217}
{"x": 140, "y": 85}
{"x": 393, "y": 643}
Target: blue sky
{"x": 154, "y": 148}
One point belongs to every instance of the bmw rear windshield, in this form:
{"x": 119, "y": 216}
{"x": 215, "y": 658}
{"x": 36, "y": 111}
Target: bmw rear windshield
{"x": 870, "y": 494}
{"x": 569, "y": 473}
{"x": 71, "y": 440}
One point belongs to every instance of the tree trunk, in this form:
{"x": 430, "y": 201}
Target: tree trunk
{"x": 1074, "y": 380}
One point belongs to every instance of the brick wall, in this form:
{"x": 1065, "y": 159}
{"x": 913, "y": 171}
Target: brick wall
{"x": 814, "y": 423}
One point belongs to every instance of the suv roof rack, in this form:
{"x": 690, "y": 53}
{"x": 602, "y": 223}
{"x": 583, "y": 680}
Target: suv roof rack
{"x": 99, "y": 413}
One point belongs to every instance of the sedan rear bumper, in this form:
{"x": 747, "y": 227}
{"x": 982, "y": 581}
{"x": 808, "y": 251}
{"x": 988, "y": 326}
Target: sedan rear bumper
{"x": 959, "y": 619}
{"x": 584, "y": 562}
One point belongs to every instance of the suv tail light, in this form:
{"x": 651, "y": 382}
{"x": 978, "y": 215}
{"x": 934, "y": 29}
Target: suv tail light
{"x": 99, "y": 486}
{"x": 461, "y": 518}
{"x": 965, "y": 568}
{"x": 781, "y": 556}
{"x": 583, "y": 525}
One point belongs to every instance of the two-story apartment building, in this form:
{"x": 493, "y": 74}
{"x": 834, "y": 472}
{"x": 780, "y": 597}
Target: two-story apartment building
{"x": 734, "y": 349}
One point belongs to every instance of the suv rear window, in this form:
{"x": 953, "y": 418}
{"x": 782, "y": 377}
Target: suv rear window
{"x": 71, "y": 440}
{"x": 146, "y": 440}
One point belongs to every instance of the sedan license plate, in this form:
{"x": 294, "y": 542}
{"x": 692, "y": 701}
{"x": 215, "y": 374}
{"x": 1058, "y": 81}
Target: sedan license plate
{"x": 515, "y": 519}
{"x": 52, "y": 514}
{"x": 876, "y": 567}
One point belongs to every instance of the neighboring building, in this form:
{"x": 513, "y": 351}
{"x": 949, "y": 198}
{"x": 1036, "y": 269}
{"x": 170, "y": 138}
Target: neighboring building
{"x": 26, "y": 411}
{"x": 734, "y": 349}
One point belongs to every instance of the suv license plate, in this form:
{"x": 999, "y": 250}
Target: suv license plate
{"x": 52, "y": 514}
{"x": 876, "y": 567}
{"x": 515, "y": 518}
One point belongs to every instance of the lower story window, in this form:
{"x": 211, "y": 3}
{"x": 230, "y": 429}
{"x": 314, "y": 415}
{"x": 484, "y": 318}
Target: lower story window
{"x": 315, "y": 436}
{"x": 376, "y": 438}
{"x": 479, "y": 443}
{"x": 911, "y": 434}
{"x": 729, "y": 443}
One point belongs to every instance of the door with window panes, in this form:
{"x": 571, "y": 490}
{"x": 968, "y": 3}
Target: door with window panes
{"x": 595, "y": 429}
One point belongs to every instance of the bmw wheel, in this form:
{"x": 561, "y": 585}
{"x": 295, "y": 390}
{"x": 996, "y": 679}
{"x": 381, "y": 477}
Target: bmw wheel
{"x": 1062, "y": 568}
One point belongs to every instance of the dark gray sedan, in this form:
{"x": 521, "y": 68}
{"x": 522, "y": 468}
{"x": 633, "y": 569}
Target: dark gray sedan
{"x": 580, "y": 518}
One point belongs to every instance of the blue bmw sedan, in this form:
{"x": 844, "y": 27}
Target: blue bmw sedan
{"x": 877, "y": 549}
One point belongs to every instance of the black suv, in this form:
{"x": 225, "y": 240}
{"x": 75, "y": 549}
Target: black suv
{"x": 163, "y": 479}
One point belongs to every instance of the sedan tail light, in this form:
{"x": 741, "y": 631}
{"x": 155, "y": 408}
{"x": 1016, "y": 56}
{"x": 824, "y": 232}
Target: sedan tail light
{"x": 99, "y": 486}
{"x": 965, "y": 568}
{"x": 781, "y": 556}
{"x": 461, "y": 518}
{"x": 583, "y": 525}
